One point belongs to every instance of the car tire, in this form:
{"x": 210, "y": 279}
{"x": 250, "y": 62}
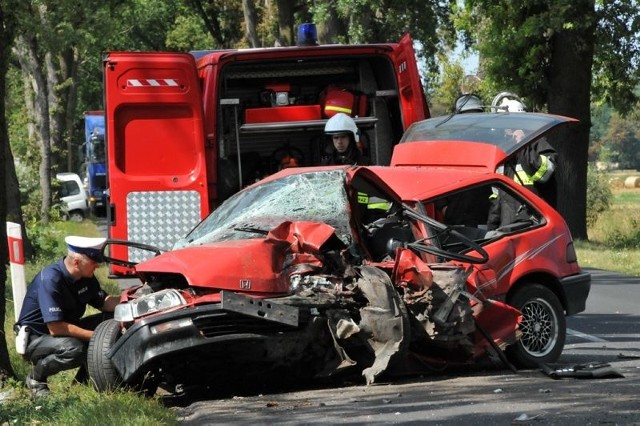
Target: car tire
{"x": 543, "y": 327}
{"x": 102, "y": 372}
{"x": 76, "y": 216}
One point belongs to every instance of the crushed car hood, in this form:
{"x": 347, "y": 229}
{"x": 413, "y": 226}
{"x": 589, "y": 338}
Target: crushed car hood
{"x": 259, "y": 265}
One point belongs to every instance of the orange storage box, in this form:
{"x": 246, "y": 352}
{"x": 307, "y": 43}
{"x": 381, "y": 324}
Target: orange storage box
{"x": 283, "y": 113}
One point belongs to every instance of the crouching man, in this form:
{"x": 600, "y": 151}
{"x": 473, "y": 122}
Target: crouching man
{"x": 53, "y": 311}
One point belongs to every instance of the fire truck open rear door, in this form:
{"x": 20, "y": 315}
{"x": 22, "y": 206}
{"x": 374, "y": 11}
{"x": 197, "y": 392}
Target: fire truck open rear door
{"x": 155, "y": 150}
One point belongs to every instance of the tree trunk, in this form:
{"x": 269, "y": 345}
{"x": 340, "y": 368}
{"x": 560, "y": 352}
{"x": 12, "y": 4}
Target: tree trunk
{"x": 13, "y": 198}
{"x": 5, "y": 35}
{"x": 249, "y": 9}
{"x": 27, "y": 52}
{"x": 569, "y": 94}
{"x": 70, "y": 68}
{"x": 331, "y": 27}
{"x": 285, "y": 23}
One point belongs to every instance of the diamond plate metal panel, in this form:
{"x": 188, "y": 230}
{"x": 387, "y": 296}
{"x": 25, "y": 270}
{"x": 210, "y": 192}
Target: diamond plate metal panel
{"x": 159, "y": 218}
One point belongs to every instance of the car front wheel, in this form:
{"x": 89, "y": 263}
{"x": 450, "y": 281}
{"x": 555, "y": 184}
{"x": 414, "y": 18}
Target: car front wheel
{"x": 102, "y": 372}
{"x": 543, "y": 327}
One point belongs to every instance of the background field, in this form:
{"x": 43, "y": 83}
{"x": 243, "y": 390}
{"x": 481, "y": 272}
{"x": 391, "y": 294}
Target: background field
{"x": 614, "y": 239}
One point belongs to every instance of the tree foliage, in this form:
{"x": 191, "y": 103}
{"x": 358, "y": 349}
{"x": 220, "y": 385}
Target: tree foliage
{"x": 622, "y": 142}
{"x": 557, "y": 55}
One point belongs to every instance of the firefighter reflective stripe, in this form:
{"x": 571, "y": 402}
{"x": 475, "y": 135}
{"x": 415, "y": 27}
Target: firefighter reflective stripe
{"x": 373, "y": 203}
{"x": 544, "y": 172}
{"x": 522, "y": 177}
{"x": 542, "y": 175}
{"x": 147, "y": 82}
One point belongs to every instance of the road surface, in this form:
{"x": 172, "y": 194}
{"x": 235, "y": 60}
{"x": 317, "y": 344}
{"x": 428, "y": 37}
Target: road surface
{"x": 607, "y": 332}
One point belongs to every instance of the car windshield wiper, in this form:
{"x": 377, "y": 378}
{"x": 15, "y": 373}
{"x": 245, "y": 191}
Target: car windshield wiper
{"x": 250, "y": 229}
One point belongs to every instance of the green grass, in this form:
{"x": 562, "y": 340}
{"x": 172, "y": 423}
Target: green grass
{"x": 614, "y": 240}
{"x": 71, "y": 404}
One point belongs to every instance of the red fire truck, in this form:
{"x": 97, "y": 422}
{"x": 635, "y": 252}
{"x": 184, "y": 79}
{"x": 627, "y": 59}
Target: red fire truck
{"x": 186, "y": 130}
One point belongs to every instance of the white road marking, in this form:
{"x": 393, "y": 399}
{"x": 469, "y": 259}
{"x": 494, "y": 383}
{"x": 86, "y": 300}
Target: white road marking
{"x": 584, "y": 336}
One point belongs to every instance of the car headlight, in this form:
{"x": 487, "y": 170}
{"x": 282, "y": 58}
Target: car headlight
{"x": 149, "y": 304}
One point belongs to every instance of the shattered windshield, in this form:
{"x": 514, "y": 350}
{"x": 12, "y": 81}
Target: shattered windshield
{"x": 318, "y": 196}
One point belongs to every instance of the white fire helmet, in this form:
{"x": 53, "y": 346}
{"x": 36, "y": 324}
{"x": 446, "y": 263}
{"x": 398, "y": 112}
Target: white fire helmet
{"x": 507, "y": 101}
{"x": 512, "y": 105}
{"x": 342, "y": 123}
{"x": 469, "y": 103}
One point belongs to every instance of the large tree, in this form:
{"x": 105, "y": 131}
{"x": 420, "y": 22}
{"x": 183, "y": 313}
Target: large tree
{"x": 557, "y": 54}
{"x": 6, "y": 32}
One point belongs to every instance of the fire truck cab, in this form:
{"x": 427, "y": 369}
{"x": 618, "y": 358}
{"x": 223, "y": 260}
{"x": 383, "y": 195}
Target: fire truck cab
{"x": 186, "y": 131}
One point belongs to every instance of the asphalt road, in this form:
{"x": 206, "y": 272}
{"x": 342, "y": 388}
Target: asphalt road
{"x": 607, "y": 332}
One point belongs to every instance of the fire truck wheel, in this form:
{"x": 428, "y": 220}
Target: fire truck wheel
{"x": 543, "y": 326}
{"x": 102, "y": 372}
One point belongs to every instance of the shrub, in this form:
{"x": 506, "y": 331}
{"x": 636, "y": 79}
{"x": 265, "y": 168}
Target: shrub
{"x": 599, "y": 194}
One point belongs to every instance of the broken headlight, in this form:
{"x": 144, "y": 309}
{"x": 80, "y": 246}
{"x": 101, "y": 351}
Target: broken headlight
{"x": 149, "y": 304}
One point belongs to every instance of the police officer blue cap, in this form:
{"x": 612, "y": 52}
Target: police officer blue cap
{"x": 90, "y": 247}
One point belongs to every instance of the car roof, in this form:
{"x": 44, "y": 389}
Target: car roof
{"x": 477, "y": 141}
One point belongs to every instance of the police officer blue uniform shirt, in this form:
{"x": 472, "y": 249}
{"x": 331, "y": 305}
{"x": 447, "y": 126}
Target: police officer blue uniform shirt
{"x": 54, "y": 295}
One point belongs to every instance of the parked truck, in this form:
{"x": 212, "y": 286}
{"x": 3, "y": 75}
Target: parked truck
{"x": 187, "y": 130}
{"x": 95, "y": 169}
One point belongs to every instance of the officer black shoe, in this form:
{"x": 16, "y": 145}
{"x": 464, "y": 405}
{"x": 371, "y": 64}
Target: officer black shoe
{"x": 82, "y": 377}
{"x": 38, "y": 389}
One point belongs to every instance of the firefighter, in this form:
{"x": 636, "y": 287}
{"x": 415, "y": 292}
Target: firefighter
{"x": 533, "y": 167}
{"x": 468, "y": 102}
{"x": 469, "y": 208}
{"x": 53, "y": 312}
{"x": 345, "y": 137}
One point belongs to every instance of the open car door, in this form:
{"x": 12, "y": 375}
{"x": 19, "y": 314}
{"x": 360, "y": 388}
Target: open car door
{"x": 155, "y": 149}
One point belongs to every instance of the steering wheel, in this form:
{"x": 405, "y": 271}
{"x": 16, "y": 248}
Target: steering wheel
{"x": 444, "y": 230}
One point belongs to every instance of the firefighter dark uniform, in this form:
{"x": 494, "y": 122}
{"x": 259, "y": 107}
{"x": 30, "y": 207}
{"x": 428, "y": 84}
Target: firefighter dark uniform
{"x": 534, "y": 169}
{"x": 351, "y": 157}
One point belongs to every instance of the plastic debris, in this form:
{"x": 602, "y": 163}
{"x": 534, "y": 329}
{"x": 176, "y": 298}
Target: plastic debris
{"x": 593, "y": 370}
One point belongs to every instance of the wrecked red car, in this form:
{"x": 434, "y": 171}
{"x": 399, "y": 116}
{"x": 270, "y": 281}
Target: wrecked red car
{"x": 313, "y": 272}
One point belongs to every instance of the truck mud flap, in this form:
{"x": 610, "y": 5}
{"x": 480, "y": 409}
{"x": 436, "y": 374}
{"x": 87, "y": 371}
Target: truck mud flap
{"x": 260, "y": 308}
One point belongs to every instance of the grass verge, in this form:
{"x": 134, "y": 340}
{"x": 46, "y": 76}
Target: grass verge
{"x": 71, "y": 404}
{"x": 614, "y": 240}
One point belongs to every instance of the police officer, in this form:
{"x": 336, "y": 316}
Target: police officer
{"x": 345, "y": 137}
{"x": 53, "y": 311}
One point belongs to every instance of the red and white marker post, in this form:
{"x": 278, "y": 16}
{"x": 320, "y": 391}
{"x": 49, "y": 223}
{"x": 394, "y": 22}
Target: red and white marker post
{"x": 16, "y": 262}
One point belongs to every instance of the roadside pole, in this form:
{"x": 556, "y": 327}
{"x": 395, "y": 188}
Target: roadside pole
{"x": 16, "y": 261}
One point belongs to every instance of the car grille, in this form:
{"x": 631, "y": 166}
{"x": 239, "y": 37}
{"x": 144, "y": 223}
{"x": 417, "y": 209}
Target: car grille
{"x": 224, "y": 323}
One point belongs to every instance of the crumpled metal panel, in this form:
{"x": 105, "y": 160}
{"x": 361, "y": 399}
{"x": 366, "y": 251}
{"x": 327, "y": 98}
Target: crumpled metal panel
{"x": 383, "y": 322}
{"x": 159, "y": 218}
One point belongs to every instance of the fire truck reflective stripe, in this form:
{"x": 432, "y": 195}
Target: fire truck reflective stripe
{"x": 337, "y": 109}
{"x": 152, "y": 82}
